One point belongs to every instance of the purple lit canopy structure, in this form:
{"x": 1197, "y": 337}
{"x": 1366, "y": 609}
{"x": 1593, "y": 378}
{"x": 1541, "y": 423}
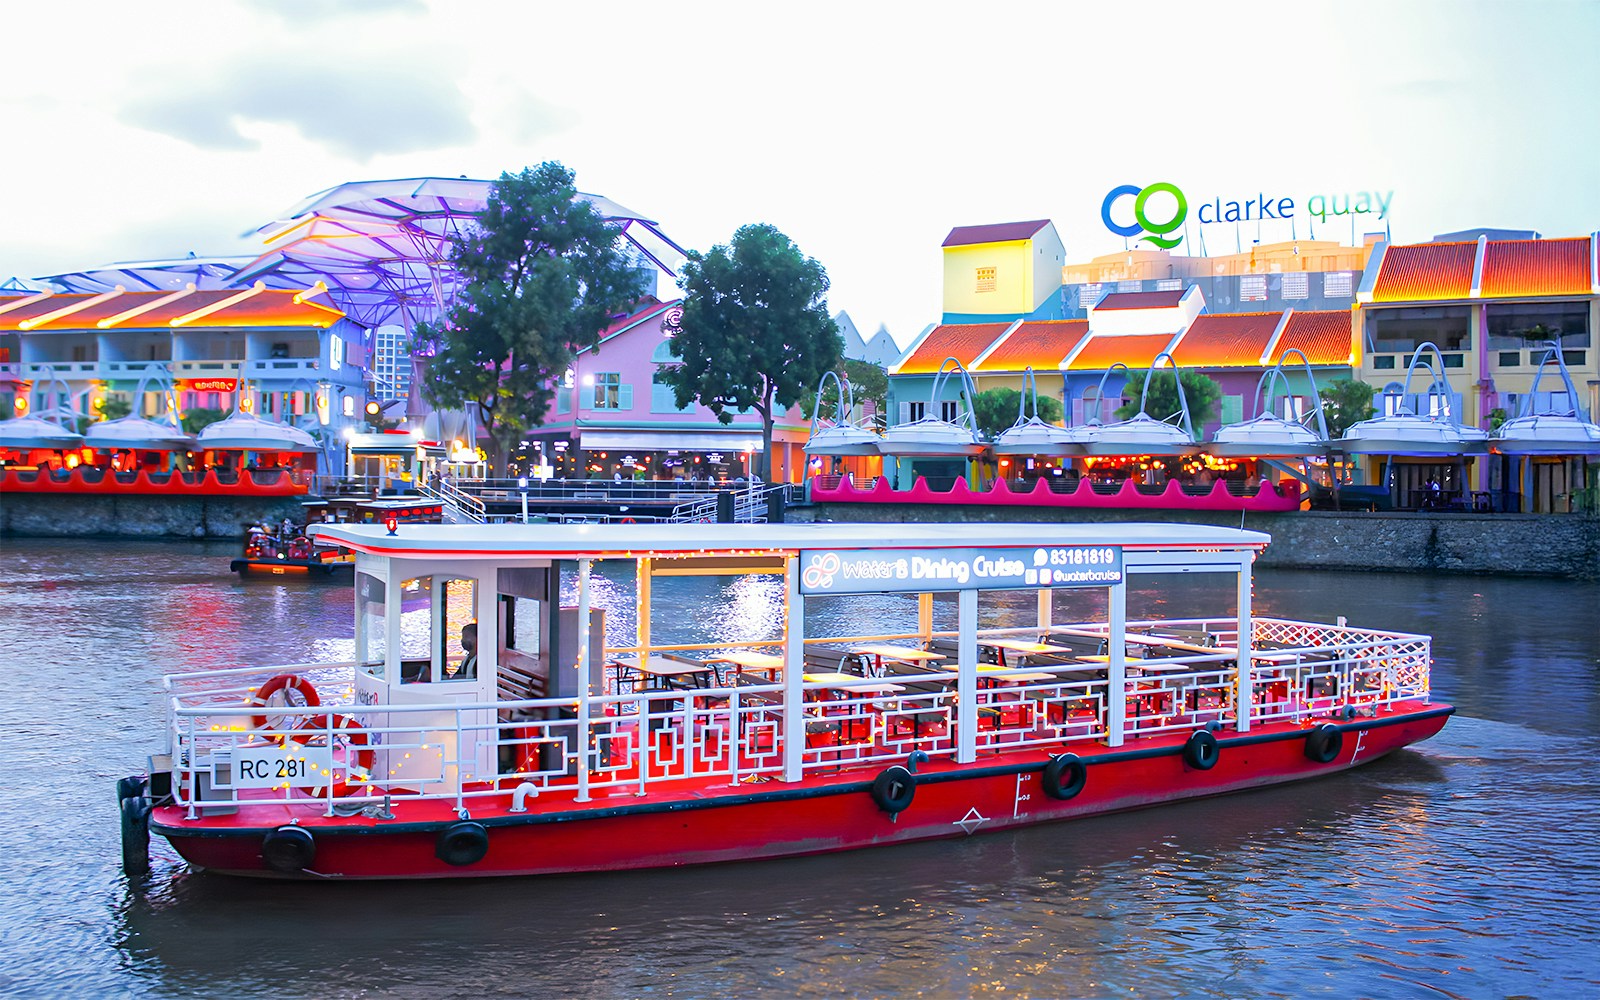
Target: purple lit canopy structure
{"x": 150, "y": 275}
{"x": 382, "y": 247}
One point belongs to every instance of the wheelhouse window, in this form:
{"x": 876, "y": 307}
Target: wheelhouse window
{"x": 437, "y": 627}
{"x": 372, "y": 635}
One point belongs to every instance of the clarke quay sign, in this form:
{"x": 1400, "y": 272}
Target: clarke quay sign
{"x": 1260, "y": 208}
{"x": 877, "y": 571}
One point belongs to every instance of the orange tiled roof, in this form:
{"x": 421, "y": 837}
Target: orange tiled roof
{"x": 1324, "y": 336}
{"x": 1426, "y": 271}
{"x": 1041, "y": 344}
{"x": 962, "y": 341}
{"x": 1100, "y": 353}
{"x": 1535, "y": 267}
{"x": 1226, "y": 340}
{"x": 265, "y": 308}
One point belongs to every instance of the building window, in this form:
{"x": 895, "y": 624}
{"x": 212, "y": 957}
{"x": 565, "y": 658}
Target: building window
{"x": 663, "y": 399}
{"x": 1232, "y": 409}
{"x": 1338, "y": 285}
{"x": 1296, "y": 286}
{"x": 910, "y": 413}
{"x": 949, "y": 410}
{"x": 1253, "y": 288}
{"x": 1510, "y": 359}
{"x": 1125, "y": 287}
{"x": 986, "y": 279}
{"x": 610, "y": 393}
{"x": 1169, "y": 285}
{"x": 1292, "y": 408}
{"x": 1383, "y": 361}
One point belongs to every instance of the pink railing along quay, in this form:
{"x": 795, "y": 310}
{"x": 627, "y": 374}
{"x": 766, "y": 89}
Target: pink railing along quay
{"x": 1125, "y": 495}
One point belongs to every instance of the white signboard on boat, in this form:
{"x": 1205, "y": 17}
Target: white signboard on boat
{"x": 292, "y": 765}
{"x": 874, "y": 571}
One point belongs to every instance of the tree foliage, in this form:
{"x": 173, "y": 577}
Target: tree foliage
{"x": 198, "y": 418}
{"x": 1345, "y": 402}
{"x": 542, "y": 276}
{"x": 869, "y": 389}
{"x": 996, "y": 410}
{"x": 756, "y": 333}
{"x": 113, "y": 408}
{"x": 1202, "y": 392}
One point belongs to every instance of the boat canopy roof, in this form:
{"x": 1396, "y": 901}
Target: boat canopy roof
{"x": 574, "y": 541}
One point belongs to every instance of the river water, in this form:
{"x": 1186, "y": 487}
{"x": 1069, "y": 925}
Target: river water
{"x": 1468, "y": 866}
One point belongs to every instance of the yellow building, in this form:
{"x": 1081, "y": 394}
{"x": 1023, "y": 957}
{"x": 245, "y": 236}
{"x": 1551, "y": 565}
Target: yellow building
{"x": 1010, "y": 269}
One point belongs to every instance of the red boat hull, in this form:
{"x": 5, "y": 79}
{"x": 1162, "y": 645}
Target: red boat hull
{"x": 710, "y": 823}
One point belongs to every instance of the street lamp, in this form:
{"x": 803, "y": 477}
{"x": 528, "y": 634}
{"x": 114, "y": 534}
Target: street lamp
{"x": 522, "y": 484}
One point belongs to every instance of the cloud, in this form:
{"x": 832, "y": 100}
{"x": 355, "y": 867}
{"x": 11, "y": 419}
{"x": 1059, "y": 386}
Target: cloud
{"x": 361, "y": 111}
{"x": 300, "y": 12}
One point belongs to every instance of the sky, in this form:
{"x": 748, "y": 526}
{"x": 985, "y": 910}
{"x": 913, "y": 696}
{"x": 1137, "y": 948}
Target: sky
{"x": 865, "y": 132}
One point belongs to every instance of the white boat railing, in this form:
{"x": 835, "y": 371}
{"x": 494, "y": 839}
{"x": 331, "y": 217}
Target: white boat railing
{"x": 635, "y": 740}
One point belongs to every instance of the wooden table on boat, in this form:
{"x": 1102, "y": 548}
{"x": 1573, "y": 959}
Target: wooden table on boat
{"x": 763, "y": 663}
{"x": 660, "y": 667}
{"x": 888, "y": 651}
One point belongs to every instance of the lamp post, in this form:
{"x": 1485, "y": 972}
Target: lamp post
{"x": 522, "y": 484}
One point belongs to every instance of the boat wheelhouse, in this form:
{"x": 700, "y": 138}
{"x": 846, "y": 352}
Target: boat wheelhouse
{"x": 488, "y": 722}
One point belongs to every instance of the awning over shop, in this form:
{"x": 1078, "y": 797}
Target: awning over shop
{"x": 670, "y": 441}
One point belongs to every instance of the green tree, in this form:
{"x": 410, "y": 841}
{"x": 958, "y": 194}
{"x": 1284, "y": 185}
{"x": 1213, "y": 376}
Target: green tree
{"x": 542, "y": 275}
{"x": 756, "y": 331}
{"x": 1345, "y": 402}
{"x": 199, "y": 418}
{"x": 996, "y": 410}
{"x": 1202, "y": 392}
{"x": 113, "y": 408}
{"x": 869, "y": 386}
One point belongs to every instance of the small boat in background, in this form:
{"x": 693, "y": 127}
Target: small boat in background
{"x": 288, "y": 547}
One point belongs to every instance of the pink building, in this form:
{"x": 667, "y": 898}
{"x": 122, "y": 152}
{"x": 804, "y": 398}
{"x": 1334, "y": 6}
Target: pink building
{"x": 613, "y": 417}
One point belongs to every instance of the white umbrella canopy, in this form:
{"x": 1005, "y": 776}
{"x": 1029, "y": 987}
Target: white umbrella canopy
{"x": 930, "y": 438}
{"x": 1266, "y": 436}
{"x": 137, "y": 434}
{"x": 1035, "y": 437}
{"x": 36, "y": 432}
{"x": 842, "y": 440}
{"x": 247, "y": 432}
{"x": 1140, "y": 434}
{"x": 1405, "y": 433}
{"x": 1547, "y": 434}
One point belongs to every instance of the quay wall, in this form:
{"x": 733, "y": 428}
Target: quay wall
{"x": 1551, "y": 545}
{"x": 58, "y": 516}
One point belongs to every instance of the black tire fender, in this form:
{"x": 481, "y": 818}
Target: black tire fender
{"x": 135, "y": 835}
{"x": 893, "y": 789}
{"x": 1324, "y": 743}
{"x": 289, "y": 849}
{"x": 1201, "y": 750}
{"x": 1064, "y": 776}
{"x": 462, "y": 844}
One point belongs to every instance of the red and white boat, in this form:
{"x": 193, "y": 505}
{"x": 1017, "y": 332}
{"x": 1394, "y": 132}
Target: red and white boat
{"x": 544, "y": 748}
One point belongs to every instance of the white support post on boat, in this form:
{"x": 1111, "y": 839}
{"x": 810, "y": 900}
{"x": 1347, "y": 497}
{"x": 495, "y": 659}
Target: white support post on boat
{"x": 967, "y": 676}
{"x": 1116, "y": 666}
{"x": 925, "y": 617}
{"x": 794, "y": 657}
{"x": 1046, "y": 608}
{"x": 1244, "y": 694}
{"x": 642, "y": 631}
{"x": 582, "y": 736}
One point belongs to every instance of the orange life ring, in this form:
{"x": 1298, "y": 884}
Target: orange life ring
{"x": 349, "y": 730}
{"x": 282, "y": 682}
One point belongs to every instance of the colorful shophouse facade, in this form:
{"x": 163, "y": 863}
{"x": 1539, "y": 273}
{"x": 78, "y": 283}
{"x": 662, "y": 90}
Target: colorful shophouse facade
{"x": 613, "y": 417}
{"x": 301, "y": 360}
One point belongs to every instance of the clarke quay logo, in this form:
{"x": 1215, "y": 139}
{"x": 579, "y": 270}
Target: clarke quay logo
{"x": 1172, "y": 211}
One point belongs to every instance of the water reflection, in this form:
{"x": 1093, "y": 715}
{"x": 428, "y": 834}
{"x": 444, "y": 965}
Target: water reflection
{"x": 1465, "y": 867}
